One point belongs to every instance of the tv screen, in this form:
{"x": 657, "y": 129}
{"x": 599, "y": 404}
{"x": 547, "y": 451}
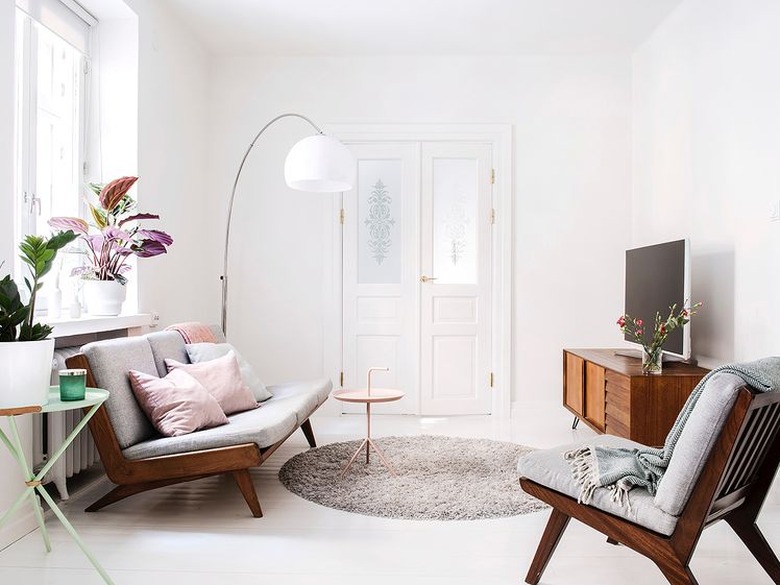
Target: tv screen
{"x": 658, "y": 277}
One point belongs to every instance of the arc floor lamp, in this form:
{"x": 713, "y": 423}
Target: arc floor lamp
{"x": 318, "y": 163}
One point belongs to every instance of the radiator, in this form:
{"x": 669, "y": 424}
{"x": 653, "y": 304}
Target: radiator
{"x": 50, "y": 430}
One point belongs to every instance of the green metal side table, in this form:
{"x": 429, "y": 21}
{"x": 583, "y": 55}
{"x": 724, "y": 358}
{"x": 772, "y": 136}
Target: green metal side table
{"x": 93, "y": 399}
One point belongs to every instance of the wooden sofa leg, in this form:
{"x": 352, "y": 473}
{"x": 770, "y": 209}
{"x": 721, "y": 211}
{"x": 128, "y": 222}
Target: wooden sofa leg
{"x": 309, "y": 433}
{"x": 120, "y": 492}
{"x": 552, "y": 536}
{"x": 247, "y": 487}
{"x": 754, "y": 540}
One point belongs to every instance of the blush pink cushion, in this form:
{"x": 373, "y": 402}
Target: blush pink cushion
{"x": 222, "y": 379}
{"x": 177, "y": 404}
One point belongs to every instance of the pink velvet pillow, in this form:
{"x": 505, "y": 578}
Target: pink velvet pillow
{"x": 177, "y": 404}
{"x": 222, "y": 379}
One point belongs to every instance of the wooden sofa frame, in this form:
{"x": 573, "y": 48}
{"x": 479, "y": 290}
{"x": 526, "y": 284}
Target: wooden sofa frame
{"x": 133, "y": 476}
{"x": 732, "y": 487}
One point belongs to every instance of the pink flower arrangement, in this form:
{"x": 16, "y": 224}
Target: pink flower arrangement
{"x": 635, "y": 328}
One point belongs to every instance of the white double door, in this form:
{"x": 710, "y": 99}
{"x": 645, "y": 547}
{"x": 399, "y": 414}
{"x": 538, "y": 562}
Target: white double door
{"x": 417, "y": 240}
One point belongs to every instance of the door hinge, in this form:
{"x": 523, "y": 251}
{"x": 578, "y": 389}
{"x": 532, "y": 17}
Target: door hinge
{"x": 492, "y": 216}
{"x": 341, "y": 379}
{"x": 341, "y": 216}
{"x": 492, "y": 176}
{"x": 86, "y": 66}
{"x": 491, "y": 379}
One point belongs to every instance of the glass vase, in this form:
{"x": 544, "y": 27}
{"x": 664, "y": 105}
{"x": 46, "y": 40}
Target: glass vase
{"x": 651, "y": 360}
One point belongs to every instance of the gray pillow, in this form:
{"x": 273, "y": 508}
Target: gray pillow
{"x": 204, "y": 352}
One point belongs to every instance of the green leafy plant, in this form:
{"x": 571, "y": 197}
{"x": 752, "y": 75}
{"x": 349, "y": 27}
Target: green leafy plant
{"x": 16, "y": 316}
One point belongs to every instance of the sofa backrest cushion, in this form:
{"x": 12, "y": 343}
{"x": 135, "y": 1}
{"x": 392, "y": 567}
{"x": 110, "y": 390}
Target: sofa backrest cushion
{"x": 699, "y": 435}
{"x": 110, "y": 361}
{"x": 167, "y": 345}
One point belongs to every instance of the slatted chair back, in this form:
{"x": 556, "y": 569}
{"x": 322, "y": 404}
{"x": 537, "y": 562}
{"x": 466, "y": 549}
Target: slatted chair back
{"x": 754, "y": 457}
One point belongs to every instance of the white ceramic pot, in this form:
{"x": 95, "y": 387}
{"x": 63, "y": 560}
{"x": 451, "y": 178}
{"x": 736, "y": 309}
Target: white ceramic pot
{"x": 25, "y": 372}
{"x": 104, "y": 297}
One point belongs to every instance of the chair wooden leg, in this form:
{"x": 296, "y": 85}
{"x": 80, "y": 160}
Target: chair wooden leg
{"x": 677, "y": 574}
{"x": 247, "y": 487}
{"x": 308, "y": 433}
{"x": 552, "y": 535}
{"x": 754, "y": 540}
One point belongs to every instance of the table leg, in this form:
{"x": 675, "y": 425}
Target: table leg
{"x": 368, "y": 432}
{"x": 30, "y": 479}
{"x": 72, "y": 531}
{"x": 354, "y": 456}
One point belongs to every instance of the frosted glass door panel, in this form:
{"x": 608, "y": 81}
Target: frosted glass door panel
{"x": 379, "y": 228}
{"x": 455, "y": 212}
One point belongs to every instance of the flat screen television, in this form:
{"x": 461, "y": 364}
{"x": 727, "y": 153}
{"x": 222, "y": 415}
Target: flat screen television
{"x": 658, "y": 277}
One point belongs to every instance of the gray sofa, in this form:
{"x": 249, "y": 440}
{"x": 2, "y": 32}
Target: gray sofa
{"x": 137, "y": 458}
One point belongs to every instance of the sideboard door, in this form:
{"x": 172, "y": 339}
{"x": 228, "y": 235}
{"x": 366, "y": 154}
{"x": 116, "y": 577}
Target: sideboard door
{"x": 574, "y": 383}
{"x": 594, "y": 394}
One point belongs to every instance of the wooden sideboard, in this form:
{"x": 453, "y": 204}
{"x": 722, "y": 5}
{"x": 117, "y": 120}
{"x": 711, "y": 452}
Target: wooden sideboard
{"x": 610, "y": 394}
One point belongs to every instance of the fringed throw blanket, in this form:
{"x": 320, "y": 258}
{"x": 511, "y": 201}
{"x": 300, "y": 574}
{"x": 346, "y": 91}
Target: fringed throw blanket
{"x": 619, "y": 470}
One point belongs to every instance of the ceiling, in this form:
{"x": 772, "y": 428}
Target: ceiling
{"x": 422, "y": 27}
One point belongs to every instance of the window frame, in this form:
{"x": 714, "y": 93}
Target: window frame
{"x": 27, "y": 202}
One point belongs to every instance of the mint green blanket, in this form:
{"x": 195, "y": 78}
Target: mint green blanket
{"x": 620, "y": 470}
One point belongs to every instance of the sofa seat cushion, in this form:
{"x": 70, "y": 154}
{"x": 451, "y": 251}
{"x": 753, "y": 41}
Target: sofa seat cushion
{"x": 548, "y": 468}
{"x": 301, "y": 397}
{"x": 263, "y": 426}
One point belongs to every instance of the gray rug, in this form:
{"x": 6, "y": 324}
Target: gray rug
{"x": 438, "y": 478}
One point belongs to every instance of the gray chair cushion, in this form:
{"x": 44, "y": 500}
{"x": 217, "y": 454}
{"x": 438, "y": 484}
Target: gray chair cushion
{"x": 264, "y": 426}
{"x": 110, "y": 361}
{"x": 548, "y": 467}
{"x": 167, "y": 344}
{"x": 696, "y": 441}
{"x": 302, "y": 397}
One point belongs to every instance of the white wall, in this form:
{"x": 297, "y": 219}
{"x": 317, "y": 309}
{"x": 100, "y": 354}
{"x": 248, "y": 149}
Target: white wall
{"x": 571, "y": 121}
{"x": 172, "y": 116}
{"x": 706, "y": 146}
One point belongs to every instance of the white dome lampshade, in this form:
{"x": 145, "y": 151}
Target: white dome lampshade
{"x": 321, "y": 164}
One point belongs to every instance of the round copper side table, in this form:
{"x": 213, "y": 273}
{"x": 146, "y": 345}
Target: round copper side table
{"x": 368, "y": 396}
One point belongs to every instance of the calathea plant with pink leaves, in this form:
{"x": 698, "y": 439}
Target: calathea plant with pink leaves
{"x": 119, "y": 234}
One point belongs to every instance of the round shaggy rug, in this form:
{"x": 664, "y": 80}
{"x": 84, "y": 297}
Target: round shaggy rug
{"x": 438, "y": 478}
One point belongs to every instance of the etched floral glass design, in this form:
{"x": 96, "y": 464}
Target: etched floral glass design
{"x": 379, "y": 218}
{"x": 379, "y": 221}
{"x": 455, "y": 198}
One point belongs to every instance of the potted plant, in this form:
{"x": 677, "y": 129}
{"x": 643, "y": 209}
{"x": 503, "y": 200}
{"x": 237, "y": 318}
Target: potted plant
{"x": 25, "y": 351}
{"x": 119, "y": 236}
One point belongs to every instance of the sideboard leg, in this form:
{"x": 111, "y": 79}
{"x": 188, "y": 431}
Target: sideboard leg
{"x": 574, "y": 423}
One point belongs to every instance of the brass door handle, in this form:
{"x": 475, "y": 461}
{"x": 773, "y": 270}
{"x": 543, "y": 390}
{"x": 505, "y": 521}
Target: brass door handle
{"x": 424, "y": 278}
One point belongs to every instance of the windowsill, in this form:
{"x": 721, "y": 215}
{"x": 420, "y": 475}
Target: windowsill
{"x": 65, "y": 327}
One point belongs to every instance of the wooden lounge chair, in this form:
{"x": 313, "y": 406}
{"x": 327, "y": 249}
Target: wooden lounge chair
{"x": 732, "y": 486}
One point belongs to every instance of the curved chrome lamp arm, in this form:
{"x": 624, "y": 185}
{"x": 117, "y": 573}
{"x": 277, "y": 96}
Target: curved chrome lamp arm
{"x": 224, "y": 277}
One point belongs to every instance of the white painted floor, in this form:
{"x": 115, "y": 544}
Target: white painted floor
{"x": 201, "y": 533}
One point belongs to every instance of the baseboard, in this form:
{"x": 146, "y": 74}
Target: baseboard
{"x": 22, "y": 524}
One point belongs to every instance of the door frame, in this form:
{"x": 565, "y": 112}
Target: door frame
{"x": 499, "y": 136}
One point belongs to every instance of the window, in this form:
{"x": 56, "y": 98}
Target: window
{"x": 52, "y": 57}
